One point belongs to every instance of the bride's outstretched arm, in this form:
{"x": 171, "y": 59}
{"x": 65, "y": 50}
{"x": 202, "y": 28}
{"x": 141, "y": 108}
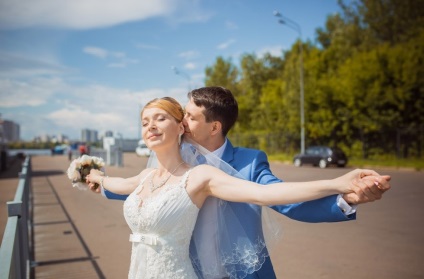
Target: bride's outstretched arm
{"x": 117, "y": 185}
{"x": 221, "y": 185}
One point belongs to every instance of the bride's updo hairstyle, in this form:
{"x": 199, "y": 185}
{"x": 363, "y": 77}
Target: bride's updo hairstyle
{"x": 168, "y": 104}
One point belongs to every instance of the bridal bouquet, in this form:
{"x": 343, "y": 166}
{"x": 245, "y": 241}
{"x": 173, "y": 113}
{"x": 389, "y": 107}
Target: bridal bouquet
{"x": 80, "y": 168}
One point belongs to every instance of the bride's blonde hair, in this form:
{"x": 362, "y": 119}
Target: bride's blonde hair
{"x": 168, "y": 104}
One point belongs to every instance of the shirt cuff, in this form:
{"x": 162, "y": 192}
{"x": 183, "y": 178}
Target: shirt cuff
{"x": 345, "y": 207}
{"x": 102, "y": 191}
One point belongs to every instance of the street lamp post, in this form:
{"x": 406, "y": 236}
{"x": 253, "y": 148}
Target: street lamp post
{"x": 293, "y": 25}
{"x": 180, "y": 73}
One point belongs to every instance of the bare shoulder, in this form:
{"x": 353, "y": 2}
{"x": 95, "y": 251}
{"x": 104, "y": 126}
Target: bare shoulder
{"x": 199, "y": 178}
{"x": 144, "y": 172}
{"x": 202, "y": 173}
{"x": 203, "y": 169}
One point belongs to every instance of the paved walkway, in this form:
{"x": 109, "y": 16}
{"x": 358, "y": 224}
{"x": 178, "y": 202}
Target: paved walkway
{"x": 79, "y": 234}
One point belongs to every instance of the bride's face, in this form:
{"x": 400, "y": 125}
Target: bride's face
{"x": 159, "y": 128}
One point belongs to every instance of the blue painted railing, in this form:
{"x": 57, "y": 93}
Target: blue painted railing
{"x": 15, "y": 262}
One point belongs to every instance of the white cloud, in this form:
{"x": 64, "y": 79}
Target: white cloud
{"x": 89, "y": 14}
{"x": 67, "y": 108}
{"x": 117, "y": 65}
{"x": 190, "y": 66}
{"x": 226, "y": 44}
{"x": 146, "y": 46}
{"x": 231, "y": 25}
{"x": 87, "y": 118}
{"x": 18, "y": 65}
{"x": 273, "y": 50}
{"x": 103, "y": 53}
{"x": 36, "y": 92}
{"x": 96, "y": 51}
{"x": 191, "y": 54}
{"x": 79, "y": 14}
{"x": 122, "y": 62}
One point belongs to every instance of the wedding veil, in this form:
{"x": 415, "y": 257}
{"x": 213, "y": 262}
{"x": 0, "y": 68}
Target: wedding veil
{"x": 230, "y": 240}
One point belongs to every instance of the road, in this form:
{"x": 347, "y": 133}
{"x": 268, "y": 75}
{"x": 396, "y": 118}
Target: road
{"x": 386, "y": 241}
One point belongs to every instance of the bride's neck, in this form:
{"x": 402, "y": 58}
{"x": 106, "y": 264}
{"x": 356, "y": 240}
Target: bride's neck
{"x": 168, "y": 160}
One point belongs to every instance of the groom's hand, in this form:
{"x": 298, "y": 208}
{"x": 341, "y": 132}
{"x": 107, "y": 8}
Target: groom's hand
{"x": 367, "y": 189}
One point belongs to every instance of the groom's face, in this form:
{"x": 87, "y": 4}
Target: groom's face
{"x": 195, "y": 124}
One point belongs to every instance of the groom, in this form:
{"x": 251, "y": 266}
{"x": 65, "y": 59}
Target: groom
{"x": 210, "y": 113}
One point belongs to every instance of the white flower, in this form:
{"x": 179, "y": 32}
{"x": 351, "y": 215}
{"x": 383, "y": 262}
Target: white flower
{"x": 72, "y": 168}
{"x": 85, "y": 160}
{"x": 80, "y": 185}
{"x": 98, "y": 161}
{"x": 80, "y": 167}
{"x": 76, "y": 175}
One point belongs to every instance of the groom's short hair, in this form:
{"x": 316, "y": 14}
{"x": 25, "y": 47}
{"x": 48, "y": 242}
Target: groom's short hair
{"x": 219, "y": 103}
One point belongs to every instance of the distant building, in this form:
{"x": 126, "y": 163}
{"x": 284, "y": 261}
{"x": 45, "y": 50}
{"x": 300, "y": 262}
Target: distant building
{"x": 11, "y": 130}
{"x": 44, "y": 138}
{"x": 60, "y": 138}
{"x": 108, "y": 134}
{"x": 88, "y": 135}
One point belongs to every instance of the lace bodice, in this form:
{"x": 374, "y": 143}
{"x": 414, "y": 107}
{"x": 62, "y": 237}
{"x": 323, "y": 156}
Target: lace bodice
{"x": 161, "y": 231}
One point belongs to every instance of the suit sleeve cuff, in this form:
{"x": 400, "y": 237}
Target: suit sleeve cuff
{"x": 345, "y": 207}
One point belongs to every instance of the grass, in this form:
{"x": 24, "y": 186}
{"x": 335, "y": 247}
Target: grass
{"x": 387, "y": 161}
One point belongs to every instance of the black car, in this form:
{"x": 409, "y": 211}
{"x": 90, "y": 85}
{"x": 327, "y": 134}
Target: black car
{"x": 321, "y": 156}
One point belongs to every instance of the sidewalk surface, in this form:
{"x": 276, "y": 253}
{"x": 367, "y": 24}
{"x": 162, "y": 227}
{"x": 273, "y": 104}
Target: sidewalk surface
{"x": 79, "y": 234}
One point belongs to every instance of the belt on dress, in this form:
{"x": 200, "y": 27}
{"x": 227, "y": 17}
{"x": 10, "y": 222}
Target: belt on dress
{"x": 144, "y": 238}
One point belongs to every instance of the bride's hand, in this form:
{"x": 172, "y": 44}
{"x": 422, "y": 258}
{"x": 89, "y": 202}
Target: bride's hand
{"x": 94, "y": 188}
{"x": 359, "y": 181}
{"x": 94, "y": 179}
{"x": 368, "y": 189}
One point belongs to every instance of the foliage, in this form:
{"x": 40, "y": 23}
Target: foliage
{"x": 31, "y": 145}
{"x": 363, "y": 85}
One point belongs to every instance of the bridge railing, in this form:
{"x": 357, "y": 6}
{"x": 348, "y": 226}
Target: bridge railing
{"x": 15, "y": 257}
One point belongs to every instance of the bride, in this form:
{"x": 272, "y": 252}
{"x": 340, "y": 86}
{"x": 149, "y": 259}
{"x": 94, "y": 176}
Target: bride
{"x": 164, "y": 202}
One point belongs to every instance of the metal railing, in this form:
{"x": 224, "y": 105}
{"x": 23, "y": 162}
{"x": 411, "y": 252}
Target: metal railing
{"x": 15, "y": 247}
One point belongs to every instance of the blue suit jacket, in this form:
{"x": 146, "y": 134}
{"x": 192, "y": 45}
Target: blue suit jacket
{"x": 253, "y": 165}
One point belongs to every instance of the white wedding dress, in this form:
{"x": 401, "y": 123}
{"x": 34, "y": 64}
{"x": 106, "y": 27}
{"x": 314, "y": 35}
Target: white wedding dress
{"x": 161, "y": 231}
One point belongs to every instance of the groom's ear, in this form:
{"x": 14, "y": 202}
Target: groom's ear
{"x": 216, "y": 127}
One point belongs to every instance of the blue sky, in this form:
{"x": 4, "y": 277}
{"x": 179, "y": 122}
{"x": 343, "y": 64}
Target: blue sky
{"x": 69, "y": 65}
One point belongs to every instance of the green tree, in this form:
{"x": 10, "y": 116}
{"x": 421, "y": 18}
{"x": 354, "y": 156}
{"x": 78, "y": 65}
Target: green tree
{"x": 363, "y": 83}
{"x": 392, "y": 21}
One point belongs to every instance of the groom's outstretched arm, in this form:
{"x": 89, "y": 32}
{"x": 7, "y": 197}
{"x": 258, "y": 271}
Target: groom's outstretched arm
{"x": 113, "y": 196}
{"x": 258, "y": 170}
{"x": 333, "y": 208}
{"x": 108, "y": 194}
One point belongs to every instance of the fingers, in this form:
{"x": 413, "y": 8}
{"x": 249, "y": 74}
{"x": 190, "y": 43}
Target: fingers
{"x": 94, "y": 187}
{"x": 367, "y": 186}
{"x": 95, "y": 172}
{"x": 365, "y": 190}
{"x": 366, "y": 172}
{"x": 383, "y": 180}
{"x": 368, "y": 190}
{"x": 383, "y": 183}
{"x": 386, "y": 177}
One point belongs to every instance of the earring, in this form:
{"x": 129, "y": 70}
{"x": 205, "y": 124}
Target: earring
{"x": 179, "y": 139}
